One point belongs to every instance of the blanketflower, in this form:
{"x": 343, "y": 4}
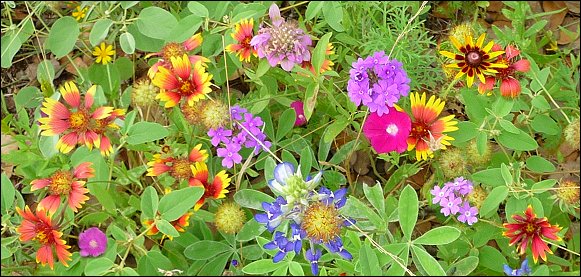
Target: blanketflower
{"x": 427, "y": 134}
{"x": 41, "y": 228}
{"x": 103, "y": 53}
{"x": 243, "y": 34}
{"x": 79, "y": 13}
{"x": 474, "y": 60}
{"x": 377, "y": 82}
{"x": 531, "y": 229}
{"x": 179, "y": 224}
{"x": 509, "y": 85}
{"x": 67, "y": 185}
{"x": 177, "y": 50}
{"x": 179, "y": 168}
{"x": 283, "y": 43}
{"x": 92, "y": 242}
{"x": 388, "y": 132}
{"x": 182, "y": 80}
{"x": 79, "y": 123}
{"x": 524, "y": 269}
{"x": 215, "y": 190}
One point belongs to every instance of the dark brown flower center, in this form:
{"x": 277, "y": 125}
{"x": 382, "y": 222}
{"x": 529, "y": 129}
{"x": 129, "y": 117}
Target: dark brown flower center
{"x": 60, "y": 182}
{"x": 43, "y": 233}
{"x": 474, "y": 58}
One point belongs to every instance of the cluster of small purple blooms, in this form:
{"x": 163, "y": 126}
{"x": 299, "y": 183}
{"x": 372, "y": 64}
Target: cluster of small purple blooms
{"x": 452, "y": 197}
{"x": 377, "y": 82}
{"x": 245, "y": 132}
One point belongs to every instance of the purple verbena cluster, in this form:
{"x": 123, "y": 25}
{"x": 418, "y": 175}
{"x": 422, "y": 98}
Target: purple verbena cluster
{"x": 245, "y": 132}
{"x": 377, "y": 82}
{"x": 452, "y": 198}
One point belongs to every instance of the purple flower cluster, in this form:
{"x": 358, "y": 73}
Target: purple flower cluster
{"x": 245, "y": 132}
{"x": 283, "y": 43}
{"x": 377, "y": 82}
{"x": 452, "y": 199}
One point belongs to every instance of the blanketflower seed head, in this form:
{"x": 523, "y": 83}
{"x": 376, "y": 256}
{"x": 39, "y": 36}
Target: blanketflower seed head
{"x": 213, "y": 190}
{"x": 41, "y": 228}
{"x": 461, "y": 31}
{"x": 193, "y": 113}
{"x": 229, "y": 218}
{"x": 474, "y": 158}
{"x": 283, "y": 43}
{"x": 103, "y": 53}
{"x": 428, "y": 131}
{"x": 79, "y": 13}
{"x": 214, "y": 114}
{"x": 144, "y": 93}
{"x": 178, "y": 167}
{"x": 388, "y": 132}
{"x": 92, "y": 242}
{"x": 531, "y": 229}
{"x": 571, "y": 133}
{"x": 524, "y": 269}
{"x": 567, "y": 195}
{"x": 300, "y": 113}
{"x": 474, "y": 60}
{"x": 509, "y": 84}
{"x": 243, "y": 34}
{"x": 65, "y": 185}
{"x": 453, "y": 163}
{"x": 477, "y": 196}
{"x": 177, "y": 50}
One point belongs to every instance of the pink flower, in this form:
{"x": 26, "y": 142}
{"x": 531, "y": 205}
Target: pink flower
{"x": 301, "y": 119}
{"x": 389, "y": 131}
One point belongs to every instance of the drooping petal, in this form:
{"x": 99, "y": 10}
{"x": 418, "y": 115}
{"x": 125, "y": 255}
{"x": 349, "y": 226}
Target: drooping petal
{"x": 39, "y": 183}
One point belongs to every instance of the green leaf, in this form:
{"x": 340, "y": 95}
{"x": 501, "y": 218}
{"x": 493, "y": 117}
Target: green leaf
{"x": 185, "y": 28}
{"x": 125, "y": 67}
{"x": 427, "y": 262}
{"x": 127, "y": 42}
{"x": 143, "y": 42}
{"x": 149, "y": 264}
{"x": 261, "y": 267}
{"x": 128, "y": 4}
{"x": 198, "y": 9}
{"x": 491, "y": 258}
{"x": 246, "y": 11}
{"x": 156, "y": 22}
{"x": 149, "y": 202}
{"x": 47, "y": 146}
{"x": 28, "y": 97}
{"x": 357, "y": 209}
{"x": 165, "y": 227}
{"x": 313, "y": 9}
{"x": 502, "y": 106}
{"x": 295, "y": 269}
{"x": 45, "y": 72}
{"x": 490, "y": 205}
{"x": 539, "y": 164}
{"x": 408, "y": 211}
{"x": 98, "y": 266}
{"x": 215, "y": 267}
{"x": 545, "y": 124}
{"x": 335, "y": 128}
{"x": 8, "y": 193}
{"x": 107, "y": 76}
{"x": 250, "y": 230}
{"x": 521, "y": 141}
{"x": 252, "y": 199}
{"x": 508, "y": 126}
{"x": 481, "y": 141}
{"x": 176, "y": 203}
{"x": 506, "y": 175}
{"x": 540, "y": 103}
{"x": 438, "y": 236}
{"x": 100, "y": 30}
{"x": 311, "y": 93}
{"x": 369, "y": 262}
{"x": 13, "y": 40}
{"x": 465, "y": 266}
{"x": 142, "y": 132}
{"x": 62, "y": 36}
{"x": 318, "y": 55}
{"x": 306, "y": 161}
{"x": 285, "y": 123}
{"x": 333, "y": 12}
{"x": 94, "y": 218}
{"x": 491, "y": 177}
{"x": 466, "y": 131}
{"x": 543, "y": 185}
{"x": 375, "y": 196}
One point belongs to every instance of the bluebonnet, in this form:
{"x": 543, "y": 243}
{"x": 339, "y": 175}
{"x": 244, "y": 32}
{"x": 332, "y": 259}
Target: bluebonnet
{"x": 524, "y": 269}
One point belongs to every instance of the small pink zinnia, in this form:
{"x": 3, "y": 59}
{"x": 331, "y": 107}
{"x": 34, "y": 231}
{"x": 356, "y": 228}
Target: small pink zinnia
{"x": 389, "y": 131}
{"x": 509, "y": 85}
{"x": 300, "y": 119}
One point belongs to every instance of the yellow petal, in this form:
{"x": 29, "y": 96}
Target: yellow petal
{"x": 449, "y": 55}
{"x": 480, "y": 41}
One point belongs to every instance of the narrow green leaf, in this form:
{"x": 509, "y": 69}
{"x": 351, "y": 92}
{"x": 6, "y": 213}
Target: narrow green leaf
{"x": 465, "y": 266}
{"x": 262, "y": 267}
{"x": 506, "y": 175}
{"x": 175, "y": 204}
{"x": 438, "y": 236}
{"x": 45, "y": 72}
{"x": 508, "y": 126}
{"x": 216, "y": 265}
{"x": 202, "y": 250}
{"x": 496, "y": 196}
{"x": 149, "y": 202}
{"x": 8, "y": 193}
{"x": 408, "y": 211}
{"x": 427, "y": 262}
{"x": 318, "y": 55}
{"x": 335, "y": 128}
{"x": 306, "y": 161}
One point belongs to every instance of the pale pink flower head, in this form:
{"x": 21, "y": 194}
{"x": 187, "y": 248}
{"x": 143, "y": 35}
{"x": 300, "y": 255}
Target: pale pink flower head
{"x": 389, "y": 131}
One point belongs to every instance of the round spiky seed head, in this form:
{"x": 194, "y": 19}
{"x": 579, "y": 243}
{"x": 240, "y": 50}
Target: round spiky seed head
{"x": 474, "y": 158}
{"x": 572, "y": 133}
{"x": 452, "y": 163}
{"x": 215, "y": 114}
{"x": 143, "y": 93}
{"x": 229, "y": 218}
{"x": 568, "y": 192}
{"x": 193, "y": 114}
{"x": 477, "y": 196}
{"x": 459, "y": 32}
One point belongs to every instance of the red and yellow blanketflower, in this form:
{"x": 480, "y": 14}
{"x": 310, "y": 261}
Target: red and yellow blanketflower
{"x": 173, "y": 49}
{"x": 183, "y": 80}
{"x": 79, "y": 123}
{"x": 509, "y": 85}
{"x": 243, "y": 34}
{"x": 216, "y": 189}
{"x": 327, "y": 63}
{"x": 67, "y": 185}
{"x": 531, "y": 229}
{"x": 179, "y": 224}
{"x": 179, "y": 168}
{"x": 427, "y": 134}
{"x": 40, "y": 227}
{"x": 474, "y": 60}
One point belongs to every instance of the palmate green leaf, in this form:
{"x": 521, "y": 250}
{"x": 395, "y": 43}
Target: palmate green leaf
{"x": 252, "y": 199}
{"x": 375, "y": 196}
{"x": 438, "y": 236}
{"x": 490, "y": 205}
{"x": 408, "y": 211}
{"x": 142, "y": 132}
{"x": 149, "y": 202}
{"x": 369, "y": 262}
{"x": 149, "y": 264}
{"x": 262, "y": 267}
{"x": 176, "y": 203}
{"x": 427, "y": 262}
{"x": 357, "y": 209}
{"x": 62, "y": 36}
{"x": 250, "y": 230}
{"x": 215, "y": 267}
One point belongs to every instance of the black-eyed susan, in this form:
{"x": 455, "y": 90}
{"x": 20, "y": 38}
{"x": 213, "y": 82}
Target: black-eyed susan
{"x": 103, "y": 53}
{"x": 474, "y": 60}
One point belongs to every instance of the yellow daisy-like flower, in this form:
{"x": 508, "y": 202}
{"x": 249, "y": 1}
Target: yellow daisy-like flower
{"x": 79, "y": 13}
{"x": 427, "y": 134}
{"x": 474, "y": 60}
{"x": 103, "y": 53}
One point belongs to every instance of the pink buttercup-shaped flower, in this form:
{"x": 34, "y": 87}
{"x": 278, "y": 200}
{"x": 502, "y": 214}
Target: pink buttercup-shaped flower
{"x": 389, "y": 131}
